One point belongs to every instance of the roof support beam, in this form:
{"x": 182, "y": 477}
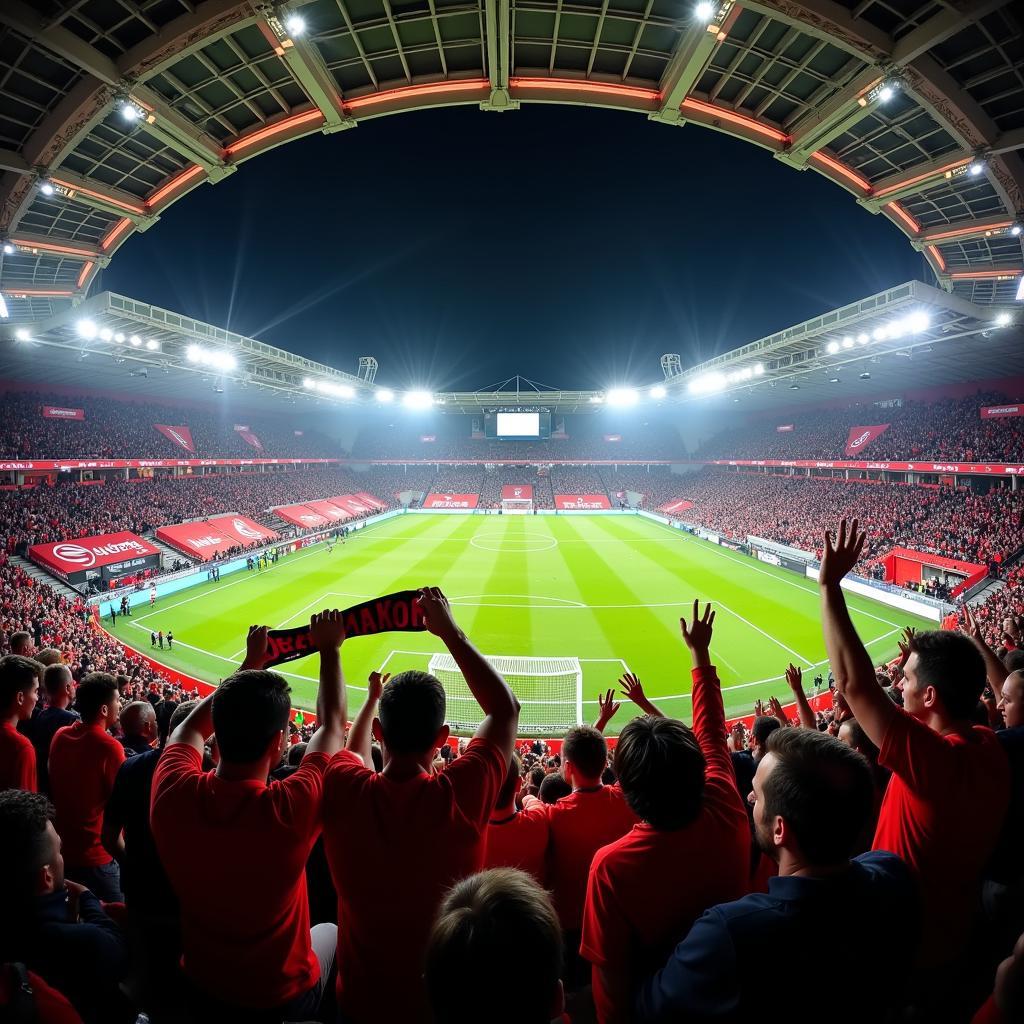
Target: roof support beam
{"x": 696, "y": 47}
{"x": 498, "y": 27}
{"x": 914, "y": 180}
{"x": 14, "y": 162}
{"x": 178, "y": 133}
{"x": 962, "y": 231}
{"x": 31, "y": 244}
{"x": 941, "y": 27}
{"x": 826, "y": 123}
{"x": 102, "y": 197}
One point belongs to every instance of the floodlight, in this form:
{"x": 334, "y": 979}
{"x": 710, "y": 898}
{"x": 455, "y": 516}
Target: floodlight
{"x": 596, "y": 399}
{"x": 832, "y": 348}
{"x": 862, "y": 339}
{"x": 135, "y": 340}
{"x": 658, "y": 392}
{"x": 886, "y": 93}
{"x": 879, "y": 334}
{"x": 833, "y": 380}
{"x": 345, "y": 391}
{"x": 794, "y": 387}
{"x": 295, "y": 24}
{"x": 1003, "y": 320}
{"x": 191, "y": 353}
{"x": 385, "y": 395}
{"x": 847, "y": 342}
{"x": 22, "y": 334}
{"x": 47, "y": 188}
{"x": 759, "y": 370}
{"x": 1020, "y": 290}
{"x": 705, "y": 11}
{"x": 975, "y": 168}
{"x": 9, "y": 248}
{"x": 152, "y": 345}
{"x": 918, "y": 322}
{"x": 1015, "y": 230}
{"x": 4, "y": 311}
{"x": 86, "y": 329}
{"x": 622, "y": 396}
{"x": 417, "y": 399}
{"x": 119, "y": 338}
{"x": 865, "y": 376}
{"x": 308, "y": 383}
{"x": 129, "y": 111}
{"x": 106, "y": 334}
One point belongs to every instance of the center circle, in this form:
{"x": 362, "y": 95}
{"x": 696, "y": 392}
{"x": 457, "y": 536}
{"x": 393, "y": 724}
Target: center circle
{"x": 523, "y": 544}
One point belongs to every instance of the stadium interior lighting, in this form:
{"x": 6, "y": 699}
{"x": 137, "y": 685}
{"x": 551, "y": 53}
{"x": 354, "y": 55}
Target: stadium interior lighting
{"x": 862, "y": 339}
{"x": 1003, "y": 320}
{"x": 658, "y": 392}
{"x": 794, "y": 387}
{"x": 295, "y": 24}
{"x": 86, "y": 329}
{"x": 325, "y": 387}
{"x": 1015, "y": 230}
{"x": 4, "y": 311}
{"x": 596, "y": 399}
{"x": 759, "y": 370}
{"x": 106, "y": 334}
{"x": 417, "y": 399}
{"x": 152, "y": 345}
{"x": 384, "y": 395}
{"x": 833, "y": 380}
{"x": 832, "y": 347}
{"x": 975, "y": 168}
{"x": 847, "y": 342}
{"x": 119, "y": 338}
{"x": 1020, "y": 289}
{"x": 622, "y": 396}
{"x": 208, "y": 357}
{"x": 47, "y": 188}
{"x": 705, "y": 11}
{"x": 22, "y": 334}
{"x": 9, "y": 248}
{"x": 130, "y": 110}
{"x": 135, "y": 340}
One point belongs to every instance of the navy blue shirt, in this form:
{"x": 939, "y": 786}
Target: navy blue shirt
{"x": 143, "y": 879}
{"x": 40, "y": 729}
{"x": 720, "y": 971}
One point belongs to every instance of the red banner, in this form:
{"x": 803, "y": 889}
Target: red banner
{"x": 679, "y": 505}
{"x": 351, "y": 503}
{"x": 451, "y": 500}
{"x": 250, "y": 438}
{"x": 329, "y": 510}
{"x": 517, "y": 491}
{"x": 206, "y": 540}
{"x": 369, "y": 499}
{"x": 998, "y": 412}
{"x": 302, "y": 516}
{"x": 57, "y": 412}
{"x": 69, "y": 557}
{"x": 784, "y": 429}
{"x": 181, "y": 436}
{"x": 861, "y": 437}
{"x": 582, "y": 501}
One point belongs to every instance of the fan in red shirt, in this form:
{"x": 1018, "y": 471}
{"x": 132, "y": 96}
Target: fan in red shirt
{"x": 691, "y": 847}
{"x": 949, "y": 792}
{"x": 19, "y": 692}
{"x": 84, "y": 759}
{"x": 517, "y": 838}
{"x": 397, "y": 841}
{"x": 249, "y": 950}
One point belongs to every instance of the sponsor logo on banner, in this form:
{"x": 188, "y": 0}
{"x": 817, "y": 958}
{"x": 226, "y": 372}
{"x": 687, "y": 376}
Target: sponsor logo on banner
{"x": 784, "y": 429}
{"x": 581, "y": 501}
{"x": 860, "y": 437}
{"x": 998, "y": 412}
{"x": 215, "y": 536}
{"x": 56, "y": 412}
{"x": 244, "y": 529}
{"x": 250, "y": 438}
{"x": 211, "y": 540}
{"x": 523, "y": 491}
{"x": 88, "y": 552}
{"x": 181, "y": 436}
{"x": 238, "y": 426}
{"x": 451, "y": 501}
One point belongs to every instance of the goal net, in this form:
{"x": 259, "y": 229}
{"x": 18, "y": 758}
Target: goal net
{"x": 517, "y": 506}
{"x": 550, "y": 692}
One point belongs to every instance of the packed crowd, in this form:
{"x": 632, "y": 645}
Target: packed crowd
{"x": 125, "y": 429}
{"x": 576, "y": 480}
{"x": 399, "y": 879}
{"x": 944, "y": 521}
{"x": 949, "y": 430}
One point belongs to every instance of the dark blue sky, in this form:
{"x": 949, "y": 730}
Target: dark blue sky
{"x": 568, "y": 244}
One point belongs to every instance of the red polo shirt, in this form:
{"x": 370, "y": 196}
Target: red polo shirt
{"x": 17, "y": 760}
{"x": 942, "y": 813}
{"x": 520, "y": 841}
{"x": 83, "y": 762}
{"x": 647, "y": 888}
{"x": 394, "y": 848}
{"x": 581, "y": 823}
{"x": 235, "y": 853}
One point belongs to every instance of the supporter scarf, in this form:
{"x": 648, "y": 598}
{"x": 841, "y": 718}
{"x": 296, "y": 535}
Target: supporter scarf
{"x": 399, "y": 612}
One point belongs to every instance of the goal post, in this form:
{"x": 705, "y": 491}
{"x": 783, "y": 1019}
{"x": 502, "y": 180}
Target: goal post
{"x": 550, "y": 692}
{"x": 517, "y": 506}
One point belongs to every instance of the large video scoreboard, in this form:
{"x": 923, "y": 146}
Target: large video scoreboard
{"x": 517, "y": 425}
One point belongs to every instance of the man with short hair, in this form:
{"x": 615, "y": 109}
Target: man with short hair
{"x": 84, "y": 759}
{"x": 21, "y": 644}
{"x": 486, "y": 925}
{"x": 414, "y": 831}
{"x": 249, "y": 951}
{"x": 57, "y": 928}
{"x": 138, "y": 725}
{"x": 641, "y": 899}
{"x": 19, "y": 691}
{"x": 946, "y": 801}
{"x": 59, "y": 690}
{"x": 744, "y": 762}
{"x": 812, "y": 799}
{"x": 517, "y": 838}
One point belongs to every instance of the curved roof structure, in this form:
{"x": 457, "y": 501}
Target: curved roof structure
{"x": 112, "y": 110}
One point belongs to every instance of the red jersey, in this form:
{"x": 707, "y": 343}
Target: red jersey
{"x": 17, "y": 760}
{"x": 647, "y": 888}
{"x": 581, "y": 823}
{"x": 520, "y": 841}
{"x": 942, "y": 813}
{"x": 83, "y": 762}
{"x": 244, "y": 908}
{"x": 394, "y": 848}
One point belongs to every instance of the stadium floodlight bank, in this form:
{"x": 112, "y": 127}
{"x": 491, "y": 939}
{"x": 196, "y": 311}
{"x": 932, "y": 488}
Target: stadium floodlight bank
{"x": 550, "y": 692}
{"x": 517, "y": 506}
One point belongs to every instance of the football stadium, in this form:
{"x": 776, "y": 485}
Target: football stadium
{"x": 581, "y": 563}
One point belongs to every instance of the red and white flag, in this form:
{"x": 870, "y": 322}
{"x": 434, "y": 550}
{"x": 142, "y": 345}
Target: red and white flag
{"x": 181, "y": 436}
{"x": 861, "y": 437}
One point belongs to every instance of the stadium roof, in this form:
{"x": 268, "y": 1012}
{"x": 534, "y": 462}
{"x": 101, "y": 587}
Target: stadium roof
{"x": 113, "y": 110}
{"x": 906, "y": 338}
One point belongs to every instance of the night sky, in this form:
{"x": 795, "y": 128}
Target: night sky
{"x": 570, "y": 245}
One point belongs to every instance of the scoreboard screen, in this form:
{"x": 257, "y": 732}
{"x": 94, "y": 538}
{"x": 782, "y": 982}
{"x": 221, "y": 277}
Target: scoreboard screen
{"x": 517, "y": 426}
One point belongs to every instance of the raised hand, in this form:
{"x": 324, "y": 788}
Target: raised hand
{"x": 257, "y": 652}
{"x": 971, "y": 626}
{"x": 326, "y": 630}
{"x": 758, "y": 708}
{"x": 632, "y": 688}
{"x": 838, "y": 558}
{"x": 775, "y": 707}
{"x": 608, "y": 706}
{"x": 697, "y": 634}
{"x": 437, "y": 612}
{"x": 375, "y": 687}
{"x": 795, "y": 678}
{"x": 906, "y": 644}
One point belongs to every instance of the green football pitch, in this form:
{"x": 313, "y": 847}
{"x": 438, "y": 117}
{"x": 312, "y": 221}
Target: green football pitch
{"x": 607, "y": 590}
